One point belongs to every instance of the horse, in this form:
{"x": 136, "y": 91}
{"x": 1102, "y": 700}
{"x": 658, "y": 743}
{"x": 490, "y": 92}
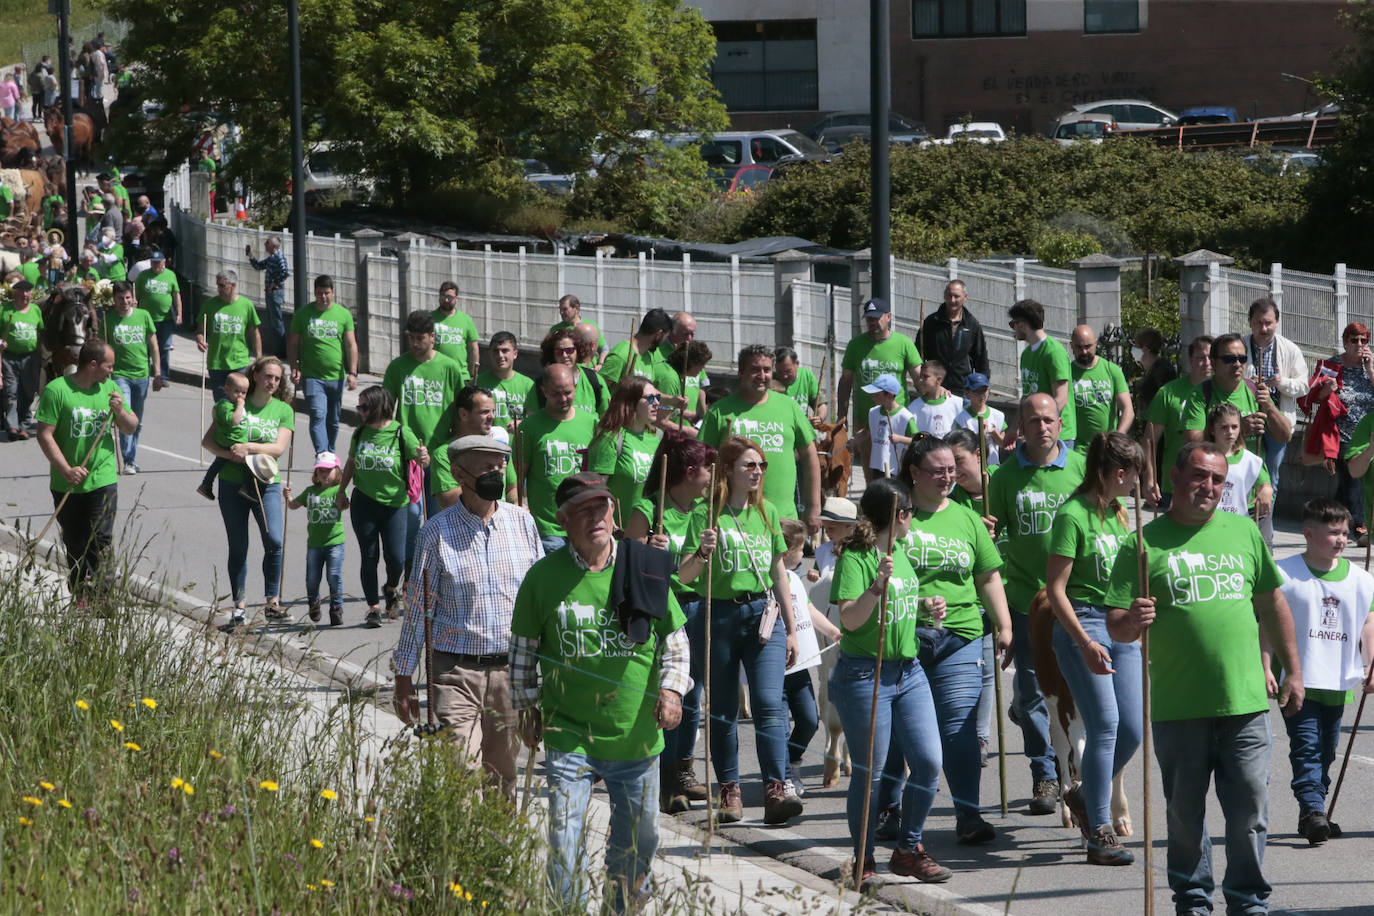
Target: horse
{"x": 69, "y": 320}
{"x": 83, "y": 134}
{"x": 832, "y": 448}
{"x": 19, "y": 146}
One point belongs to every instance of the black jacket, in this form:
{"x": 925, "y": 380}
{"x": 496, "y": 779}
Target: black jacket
{"x": 962, "y": 352}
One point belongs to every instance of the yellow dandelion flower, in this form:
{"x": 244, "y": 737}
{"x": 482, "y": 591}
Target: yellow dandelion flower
{"x": 25, "y": 822}
{"x": 64, "y": 803}
{"x": 114, "y": 723}
{"x": 311, "y": 887}
{"x": 150, "y": 702}
{"x": 468, "y": 896}
{"x": 83, "y": 705}
{"x": 328, "y": 794}
{"x": 484, "y": 903}
{"x": 456, "y": 888}
{"x": 326, "y": 882}
{"x": 131, "y": 746}
{"x": 47, "y": 786}
{"x": 178, "y": 782}
{"x": 369, "y": 819}
{"x": 36, "y": 802}
{"x": 215, "y": 754}
{"x": 269, "y": 785}
{"x": 188, "y": 788}
{"x": 316, "y": 843}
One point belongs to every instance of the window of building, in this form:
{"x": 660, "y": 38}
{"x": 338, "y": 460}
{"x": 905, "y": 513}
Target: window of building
{"x": 967, "y": 18}
{"x": 1111, "y": 16}
{"x": 766, "y": 66}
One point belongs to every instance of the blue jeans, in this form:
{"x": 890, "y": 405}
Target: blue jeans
{"x": 164, "y": 331}
{"x": 21, "y": 375}
{"x": 988, "y": 701}
{"x": 552, "y": 542}
{"x": 681, "y": 743}
{"x": 275, "y": 323}
{"x": 234, "y": 510}
{"x": 316, "y": 559}
{"x": 1312, "y": 738}
{"x": 1235, "y": 749}
{"x": 806, "y": 718}
{"x": 1034, "y": 714}
{"x": 906, "y": 715}
{"x": 633, "y": 789}
{"x": 1109, "y": 705}
{"x": 135, "y": 391}
{"x": 1273, "y": 459}
{"x": 381, "y": 532}
{"x": 735, "y": 641}
{"x": 323, "y": 399}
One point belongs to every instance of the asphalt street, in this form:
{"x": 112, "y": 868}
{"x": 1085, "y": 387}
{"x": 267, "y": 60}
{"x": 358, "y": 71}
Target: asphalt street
{"x": 1034, "y": 867}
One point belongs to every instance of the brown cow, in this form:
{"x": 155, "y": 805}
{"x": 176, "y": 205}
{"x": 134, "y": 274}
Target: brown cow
{"x": 832, "y": 447}
{"x": 83, "y": 133}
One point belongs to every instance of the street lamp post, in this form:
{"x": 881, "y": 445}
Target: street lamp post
{"x": 293, "y": 28}
{"x": 880, "y": 90}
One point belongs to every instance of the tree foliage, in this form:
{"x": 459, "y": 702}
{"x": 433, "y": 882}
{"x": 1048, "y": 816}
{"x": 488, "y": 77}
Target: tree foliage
{"x": 424, "y": 94}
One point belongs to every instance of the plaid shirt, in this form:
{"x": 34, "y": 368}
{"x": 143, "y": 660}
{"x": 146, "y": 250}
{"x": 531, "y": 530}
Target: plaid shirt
{"x": 275, "y": 265}
{"x": 674, "y": 656}
{"x": 475, "y": 568}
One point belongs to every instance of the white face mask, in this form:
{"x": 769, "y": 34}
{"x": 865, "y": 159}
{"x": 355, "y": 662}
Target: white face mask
{"x": 1137, "y": 353}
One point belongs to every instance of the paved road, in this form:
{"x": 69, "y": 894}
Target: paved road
{"x": 173, "y": 532}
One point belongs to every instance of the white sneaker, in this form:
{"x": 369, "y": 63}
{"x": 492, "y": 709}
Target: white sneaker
{"x": 130, "y": 470}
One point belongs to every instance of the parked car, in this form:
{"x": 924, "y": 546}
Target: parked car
{"x": 901, "y": 129}
{"x": 539, "y": 174}
{"x": 1081, "y": 128}
{"x": 751, "y": 147}
{"x": 325, "y": 184}
{"x": 742, "y": 178}
{"x": 1207, "y": 114}
{"x": 974, "y": 131}
{"x": 835, "y": 139}
{"x": 1130, "y": 114}
{"x": 1279, "y": 161}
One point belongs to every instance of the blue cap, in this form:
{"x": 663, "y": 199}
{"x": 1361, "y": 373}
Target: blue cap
{"x": 876, "y": 307}
{"x": 975, "y": 381}
{"x": 885, "y": 382}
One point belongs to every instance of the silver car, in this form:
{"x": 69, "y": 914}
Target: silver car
{"x": 1130, "y": 114}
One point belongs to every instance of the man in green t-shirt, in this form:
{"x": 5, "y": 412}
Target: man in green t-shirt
{"x": 1231, "y": 384}
{"x": 570, "y": 316}
{"x": 75, "y": 413}
{"x": 131, "y": 332}
{"x": 323, "y": 354}
{"x": 1044, "y": 363}
{"x": 455, "y": 334}
{"x": 1212, "y": 585}
{"x": 552, "y": 445}
{"x": 1165, "y": 421}
{"x": 878, "y": 351}
{"x": 613, "y": 680}
{"x": 643, "y": 349}
{"x": 21, "y": 360}
{"x": 1101, "y": 399}
{"x": 1030, "y": 484}
{"x": 510, "y": 388}
{"x": 776, "y": 423}
{"x": 799, "y": 383}
{"x": 227, "y": 332}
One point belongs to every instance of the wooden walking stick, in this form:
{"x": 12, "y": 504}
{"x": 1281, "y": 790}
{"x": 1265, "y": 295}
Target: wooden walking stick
{"x": 286, "y": 515}
{"x": 997, "y": 671}
{"x": 706, "y": 689}
{"x": 1142, "y": 561}
{"x": 634, "y": 354}
{"x": 427, "y": 608}
{"x": 662, "y": 491}
{"x": 862, "y": 851}
{"x": 85, "y": 461}
{"x": 200, "y": 451}
{"x": 1345, "y": 761}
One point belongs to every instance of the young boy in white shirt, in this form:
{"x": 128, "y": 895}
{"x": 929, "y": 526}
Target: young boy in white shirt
{"x": 888, "y": 423}
{"x": 975, "y": 406}
{"x": 1331, "y": 600}
{"x": 935, "y": 408}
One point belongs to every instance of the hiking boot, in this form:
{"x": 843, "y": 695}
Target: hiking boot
{"x": 780, "y": 802}
{"x": 336, "y": 615}
{"x": 373, "y": 620}
{"x": 1105, "y": 849}
{"x": 974, "y": 831}
{"x": 1078, "y": 811}
{"x": 275, "y": 612}
{"x": 731, "y": 807}
{"x": 687, "y": 783}
{"x": 889, "y": 823}
{"x": 206, "y": 490}
{"x": 1314, "y": 826}
{"x": 1045, "y": 797}
{"x": 670, "y": 801}
{"x": 917, "y": 863}
{"x": 314, "y": 612}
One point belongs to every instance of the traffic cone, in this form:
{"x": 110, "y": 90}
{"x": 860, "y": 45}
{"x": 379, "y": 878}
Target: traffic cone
{"x": 240, "y": 212}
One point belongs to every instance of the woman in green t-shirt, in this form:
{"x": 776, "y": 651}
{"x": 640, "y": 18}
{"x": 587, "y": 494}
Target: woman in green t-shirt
{"x": 623, "y": 445}
{"x": 378, "y": 461}
{"x": 688, "y": 473}
{"x": 1103, "y": 674}
{"x": 905, "y": 714}
{"x": 952, "y": 554}
{"x": 745, "y": 552}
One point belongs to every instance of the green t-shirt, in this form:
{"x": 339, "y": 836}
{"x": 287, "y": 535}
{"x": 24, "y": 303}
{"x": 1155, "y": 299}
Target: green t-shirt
{"x": 1167, "y": 411}
{"x": 452, "y": 335}
{"x": 513, "y": 392}
{"x": 1044, "y": 366}
{"x": 155, "y": 292}
{"x": 805, "y": 390}
{"x": 128, "y": 335}
{"x": 867, "y": 360}
{"x": 226, "y": 332}
{"x": 855, "y": 571}
{"x": 259, "y": 425}
{"x": 323, "y": 520}
{"x": 6, "y": 201}
{"x": 1244, "y": 400}
{"x": 552, "y": 450}
{"x": 947, "y": 550}
{"x": 959, "y": 495}
{"x": 320, "y": 349}
{"x": 1093, "y": 393}
{"x": 1091, "y": 542}
{"x": 780, "y": 429}
{"x": 20, "y": 330}
{"x": 1024, "y": 499}
{"x": 1359, "y": 441}
{"x": 670, "y": 385}
{"x": 115, "y": 270}
{"x": 591, "y": 394}
{"x": 1204, "y": 642}
{"x": 599, "y": 689}
{"x": 624, "y": 458}
{"x": 742, "y": 562}
{"x": 424, "y": 395}
{"x": 617, "y": 361}
{"x": 227, "y": 432}
{"x": 77, "y": 415}
{"x": 379, "y": 462}
{"x": 675, "y": 525}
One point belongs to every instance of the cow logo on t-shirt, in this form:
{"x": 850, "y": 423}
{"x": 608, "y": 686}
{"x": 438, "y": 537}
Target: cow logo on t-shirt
{"x": 1196, "y": 578}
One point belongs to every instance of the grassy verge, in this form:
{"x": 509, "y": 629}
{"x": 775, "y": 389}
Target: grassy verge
{"x": 27, "y": 22}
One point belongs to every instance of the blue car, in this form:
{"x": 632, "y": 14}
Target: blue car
{"x": 1207, "y": 114}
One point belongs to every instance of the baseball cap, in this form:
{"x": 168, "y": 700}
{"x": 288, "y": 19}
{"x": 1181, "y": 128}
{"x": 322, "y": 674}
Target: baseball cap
{"x": 22, "y": 286}
{"x": 976, "y": 381}
{"x": 885, "y": 382}
{"x": 876, "y": 307}
{"x": 839, "y": 509}
{"x": 157, "y": 255}
{"x": 477, "y": 444}
{"x": 579, "y": 488}
{"x": 326, "y": 460}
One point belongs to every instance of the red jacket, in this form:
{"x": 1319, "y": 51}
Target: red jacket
{"x": 1323, "y": 438}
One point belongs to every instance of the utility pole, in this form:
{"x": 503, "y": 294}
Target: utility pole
{"x": 293, "y": 28}
{"x": 880, "y": 91}
{"x": 64, "y": 70}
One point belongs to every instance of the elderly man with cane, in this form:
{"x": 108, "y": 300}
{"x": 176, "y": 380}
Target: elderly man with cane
{"x": 598, "y": 618}
{"x": 475, "y": 556}
{"x": 1217, "y": 602}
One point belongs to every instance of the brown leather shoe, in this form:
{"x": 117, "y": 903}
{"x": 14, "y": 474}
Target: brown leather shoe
{"x": 1105, "y": 849}
{"x": 780, "y": 802}
{"x": 731, "y": 807}
{"x": 917, "y": 863}
{"x": 687, "y": 782}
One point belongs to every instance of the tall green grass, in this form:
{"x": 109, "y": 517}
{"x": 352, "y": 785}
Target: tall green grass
{"x": 27, "y": 22}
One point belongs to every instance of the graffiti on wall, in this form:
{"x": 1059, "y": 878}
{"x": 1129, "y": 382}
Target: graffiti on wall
{"x": 1067, "y": 87}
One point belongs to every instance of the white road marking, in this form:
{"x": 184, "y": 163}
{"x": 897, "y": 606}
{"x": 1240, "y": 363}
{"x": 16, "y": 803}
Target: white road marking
{"x": 142, "y": 445}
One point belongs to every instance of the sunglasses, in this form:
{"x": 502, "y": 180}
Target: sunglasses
{"x": 1358, "y": 340}
{"x": 565, "y": 349}
{"x": 755, "y": 465}
{"x": 1234, "y": 359}
{"x": 651, "y": 398}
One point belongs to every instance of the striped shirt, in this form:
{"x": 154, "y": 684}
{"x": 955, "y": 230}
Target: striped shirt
{"x": 275, "y": 266}
{"x": 475, "y": 569}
